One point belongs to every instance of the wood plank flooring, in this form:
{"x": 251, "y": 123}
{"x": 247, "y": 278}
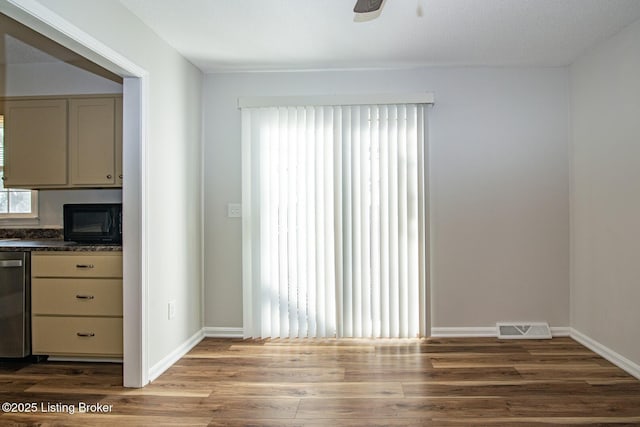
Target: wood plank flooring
{"x": 448, "y": 382}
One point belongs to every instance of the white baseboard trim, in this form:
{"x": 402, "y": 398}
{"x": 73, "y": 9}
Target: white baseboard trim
{"x": 85, "y": 359}
{"x": 486, "y": 331}
{"x": 560, "y": 331}
{"x": 156, "y": 370}
{"x": 620, "y": 361}
{"x": 463, "y": 332}
{"x": 222, "y": 332}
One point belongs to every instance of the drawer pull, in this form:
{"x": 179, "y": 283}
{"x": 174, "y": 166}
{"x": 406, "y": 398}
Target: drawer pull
{"x": 85, "y": 334}
{"x": 85, "y": 296}
{"x": 84, "y": 266}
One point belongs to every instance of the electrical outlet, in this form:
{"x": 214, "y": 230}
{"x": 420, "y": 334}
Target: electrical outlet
{"x": 171, "y": 312}
{"x": 234, "y": 210}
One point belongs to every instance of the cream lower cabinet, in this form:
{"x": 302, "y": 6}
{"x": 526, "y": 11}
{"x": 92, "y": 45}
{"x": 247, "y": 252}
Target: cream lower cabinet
{"x": 76, "y": 304}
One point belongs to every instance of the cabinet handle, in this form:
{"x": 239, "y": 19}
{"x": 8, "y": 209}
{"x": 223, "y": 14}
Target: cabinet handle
{"x": 109, "y": 176}
{"x": 120, "y": 176}
{"x": 85, "y": 334}
{"x": 84, "y": 265}
{"x": 3, "y": 178}
{"x": 84, "y": 296}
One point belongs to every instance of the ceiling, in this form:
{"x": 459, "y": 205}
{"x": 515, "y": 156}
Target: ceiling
{"x": 21, "y": 45}
{"x": 226, "y": 35}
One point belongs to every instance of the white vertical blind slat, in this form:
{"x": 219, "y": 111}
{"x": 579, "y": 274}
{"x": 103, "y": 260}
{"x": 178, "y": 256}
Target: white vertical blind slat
{"x": 423, "y": 196}
{"x": 412, "y": 222}
{"x": 337, "y": 219}
{"x": 347, "y": 214}
{"x": 301, "y": 214}
{"x": 402, "y": 219}
{"x": 311, "y": 220}
{"x": 329, "y": 302}
{"x": 357, "y": 223}
{"x": 292, "y": 223}
{"x": 283, "y": 268}
{"x": 384, "y": 222}
{"x": 375, "y": 222}
{"x": 365, "y": 203}
{"x": 250, "y": 272}
{"x": 394, "y": 277}
{"x": 319, "y": 224}
{"x": 273, "y": 291}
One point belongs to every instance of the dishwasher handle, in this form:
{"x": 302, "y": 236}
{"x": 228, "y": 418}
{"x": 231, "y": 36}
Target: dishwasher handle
{"x": 7, "y": 263}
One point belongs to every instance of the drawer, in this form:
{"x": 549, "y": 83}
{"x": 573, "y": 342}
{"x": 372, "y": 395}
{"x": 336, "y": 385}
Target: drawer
{"x": 91, "y": 336}
{"x": 79, "y": 297}
{"x": 95, "y": 264}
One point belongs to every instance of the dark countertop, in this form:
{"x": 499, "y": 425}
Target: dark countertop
{"x": 12, "y": 244}
{"x": 45, "y": 239}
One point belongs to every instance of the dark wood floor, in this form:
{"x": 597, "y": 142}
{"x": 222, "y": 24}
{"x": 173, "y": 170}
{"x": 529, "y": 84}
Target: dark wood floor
{"x": 339, "y": 383}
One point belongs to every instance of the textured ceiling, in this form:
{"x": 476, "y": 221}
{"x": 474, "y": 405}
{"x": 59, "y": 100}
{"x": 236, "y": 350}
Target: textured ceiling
{"x": 220, "y": 35}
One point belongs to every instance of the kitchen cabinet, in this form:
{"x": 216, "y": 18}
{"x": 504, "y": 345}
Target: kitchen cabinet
{"x": 63, "y": 142}
{"x": 76, "y": 303}
{"x": 118, "y": 142}
{"x": 35, "y": 143}
{"x": 92, "y": 136}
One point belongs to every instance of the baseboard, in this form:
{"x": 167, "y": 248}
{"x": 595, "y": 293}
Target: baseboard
{"x": 620, "y": 361}
{"x": 222, "y": 332}
{"x": 156, "y": 370}
{"x": 463, "y": 332}
{"x": 486, "y": 331}
{"x": 560, "y": 331}
{"x": 85, "y": 359}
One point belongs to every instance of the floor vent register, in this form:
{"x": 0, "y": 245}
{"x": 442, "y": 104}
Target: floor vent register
{"x": 534, "y": 331}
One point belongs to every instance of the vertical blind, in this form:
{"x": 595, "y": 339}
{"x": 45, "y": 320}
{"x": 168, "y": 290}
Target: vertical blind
{"x": 334, "y": 207}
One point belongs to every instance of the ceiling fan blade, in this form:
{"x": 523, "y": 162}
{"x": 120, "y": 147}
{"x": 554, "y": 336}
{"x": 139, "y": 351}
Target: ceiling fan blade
{"x": 366, "y": 6}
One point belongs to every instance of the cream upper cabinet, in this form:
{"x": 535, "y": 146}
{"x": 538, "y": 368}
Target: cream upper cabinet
{"x": 35, "y": 143}
{"x": 92, "y": 136}
{"x": 118, "y": 124}
{"x": 63, "y": 142}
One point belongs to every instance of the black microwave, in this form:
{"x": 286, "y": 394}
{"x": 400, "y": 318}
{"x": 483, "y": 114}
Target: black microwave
{"x": 93, "y": 223}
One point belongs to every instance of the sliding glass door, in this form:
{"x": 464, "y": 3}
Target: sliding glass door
{"x": 334, "y": 221}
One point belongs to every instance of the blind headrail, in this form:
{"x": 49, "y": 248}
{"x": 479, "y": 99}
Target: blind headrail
{"x": 317, "y": 100}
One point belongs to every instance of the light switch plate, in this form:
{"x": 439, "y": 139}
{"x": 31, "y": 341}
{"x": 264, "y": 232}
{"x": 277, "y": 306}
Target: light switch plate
{"x": 234, "y": 210}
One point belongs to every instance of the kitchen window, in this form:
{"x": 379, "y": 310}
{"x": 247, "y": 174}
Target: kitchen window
{"x": 15, "y": 203}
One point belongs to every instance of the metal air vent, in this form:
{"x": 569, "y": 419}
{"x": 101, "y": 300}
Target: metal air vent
{"x": 524, "y": 330}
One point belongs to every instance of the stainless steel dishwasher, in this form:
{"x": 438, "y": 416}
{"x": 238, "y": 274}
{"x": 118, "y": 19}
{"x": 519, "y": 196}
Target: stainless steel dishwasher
{"x": 15, "y": 304}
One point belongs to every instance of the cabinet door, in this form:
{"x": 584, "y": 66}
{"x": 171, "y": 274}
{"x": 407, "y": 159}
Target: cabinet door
{"x": 92, "y": 141}
{"x": 91, "y": 336}
{"x": 119, "y": 167}
{"x": 76, "y": 264}
{"x": 76, "y": 297}
{"x": 35, "y": 143}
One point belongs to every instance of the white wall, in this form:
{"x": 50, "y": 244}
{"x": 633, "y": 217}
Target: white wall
{"x": 60, "y": 79}
{"x": 172, "y": 178}
{"x": 51, "y": 201}
{"x": 605, "y": 195}
{"x": 499, "y": 187}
